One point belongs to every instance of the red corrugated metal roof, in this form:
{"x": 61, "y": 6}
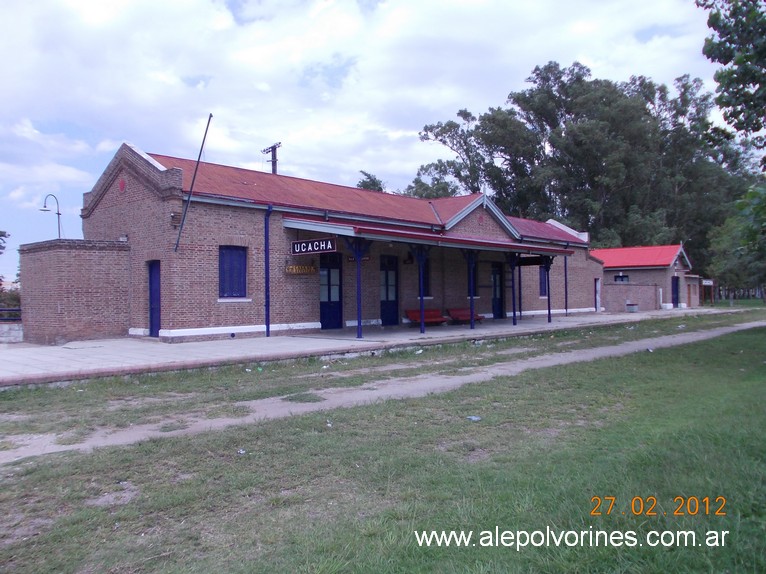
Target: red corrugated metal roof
{"x": 449, "y": 207}
{"x": 228, "y": 182}
{"x": 239, "y": 184}
{"x": 651, "y": 256}
{"x": 530, "y": 229}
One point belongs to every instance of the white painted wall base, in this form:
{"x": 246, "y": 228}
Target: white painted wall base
{"x": 365, "y": 322}
{"x": 538, "y": 312}
{"x": 235, "y": 329}
{"x": 11, "y": 333}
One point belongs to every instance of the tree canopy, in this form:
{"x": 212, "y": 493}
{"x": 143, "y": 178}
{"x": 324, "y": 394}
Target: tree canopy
{"x": 3, "y": 236}
{"x": 739, "y": 44}
{"x": 753, "y": 212}
{"x": 370, "y": 182}
{"x": 632, "y": 163}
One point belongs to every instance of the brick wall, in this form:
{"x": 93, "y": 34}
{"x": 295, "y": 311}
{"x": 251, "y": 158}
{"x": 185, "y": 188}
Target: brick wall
{"x": 129, "y": 204}
{"x": 616, "y": 296}
{"x": 74, "y": 289}
{"x": 190, "y": 301}
{"x": 480, "y": 223}
{"x": 650, "y": 287}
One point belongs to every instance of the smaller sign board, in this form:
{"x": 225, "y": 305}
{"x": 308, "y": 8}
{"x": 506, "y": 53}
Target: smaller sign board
{"x": 301, "y": 269}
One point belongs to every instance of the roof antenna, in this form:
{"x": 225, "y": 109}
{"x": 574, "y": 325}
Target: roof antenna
{"x": 191, "y": 188}
{"x": 273, "y": 160}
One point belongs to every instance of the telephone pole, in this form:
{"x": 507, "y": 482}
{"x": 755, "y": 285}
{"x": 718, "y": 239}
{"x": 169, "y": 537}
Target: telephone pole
{"x": 273, "y": 160}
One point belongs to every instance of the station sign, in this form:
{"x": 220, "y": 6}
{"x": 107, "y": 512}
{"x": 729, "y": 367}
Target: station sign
{"x": 312, "y": 246}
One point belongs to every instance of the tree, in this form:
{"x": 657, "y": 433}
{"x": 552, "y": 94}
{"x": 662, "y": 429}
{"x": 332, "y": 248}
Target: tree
{"x": 370, "y": 182}
{"x": 631, "y": 163}
{"x": 515, "y": 152}
{"x": 738, "y": 44}
{"x": 467, "y": 169}
{"x": 732, "y": 263}
{"x": 752, "y": 210}
{"x": 3, "y": 295}
{"x": 602, "y": 158}
{"x": 439, "y": 183}
{"x": 700, "y": 169}
{"x": 3, "y": 236}
{"x": 576, "y": 149}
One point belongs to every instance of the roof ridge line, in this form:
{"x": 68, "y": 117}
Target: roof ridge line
{"x": 436, "y": 213}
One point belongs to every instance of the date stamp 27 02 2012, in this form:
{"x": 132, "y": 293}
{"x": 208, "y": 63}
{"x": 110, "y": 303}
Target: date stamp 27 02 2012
{"x": 648, "y": 506}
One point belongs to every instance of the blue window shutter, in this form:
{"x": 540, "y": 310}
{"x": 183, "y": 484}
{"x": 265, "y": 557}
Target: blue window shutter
{"x": 232, "y": 271}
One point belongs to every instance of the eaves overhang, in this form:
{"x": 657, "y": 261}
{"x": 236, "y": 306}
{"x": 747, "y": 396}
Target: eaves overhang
{"x": 566, "y": 244}
{"x": 384, "y": 234}
{"x": 399, "y": 235}
{"x": 319, "y": 226}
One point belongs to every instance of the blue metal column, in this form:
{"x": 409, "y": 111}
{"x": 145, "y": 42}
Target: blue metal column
{"x": 359, "y": 247}
{"x": 420, "y": 253}
{"x": 566, "y": 286}
{"x": 547, "y": 260}
{"x": 512, "y": 259}
{"x": 267, "y": 269}
{"x": 470, "y": 257}
{"x": 520, "y": 290}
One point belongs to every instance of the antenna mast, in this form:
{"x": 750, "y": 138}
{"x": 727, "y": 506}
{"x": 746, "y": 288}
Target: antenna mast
{"x": 191, "y": 188}
{"x": 273, "y": 161}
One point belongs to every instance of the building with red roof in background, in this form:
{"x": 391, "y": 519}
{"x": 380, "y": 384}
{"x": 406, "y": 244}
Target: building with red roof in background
{"x": 647, "y": 278}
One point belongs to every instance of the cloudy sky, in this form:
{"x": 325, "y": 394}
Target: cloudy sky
{"x": 344, "y": 85}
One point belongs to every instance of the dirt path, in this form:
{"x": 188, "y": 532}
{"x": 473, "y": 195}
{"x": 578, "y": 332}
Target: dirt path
{"x": 399, "y": 388}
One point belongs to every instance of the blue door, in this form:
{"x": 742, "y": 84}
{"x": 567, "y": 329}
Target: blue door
{"x": 154, "y": 298}
{"x": 330, "y": 291}
{"x": 675, "y": 284}
{"x": 389, "y": 290}
{"x": 498, "y": 291}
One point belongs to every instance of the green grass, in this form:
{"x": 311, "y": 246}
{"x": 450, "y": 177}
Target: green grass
{"x": 82, "y": 408}
{"x": 295, "y": 495}
{"x": 740, "y": 303}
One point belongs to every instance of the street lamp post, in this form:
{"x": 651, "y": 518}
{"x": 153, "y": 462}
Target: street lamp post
{"x": 58, "y": 209}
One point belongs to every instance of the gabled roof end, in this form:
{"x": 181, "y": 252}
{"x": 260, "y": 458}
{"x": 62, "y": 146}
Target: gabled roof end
{"x": 165, "y": 181}
{"x": 583, "y": 236}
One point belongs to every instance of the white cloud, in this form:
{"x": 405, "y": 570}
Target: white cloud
{"x": 55, "y": 144}
{"x": 43, "y": 173}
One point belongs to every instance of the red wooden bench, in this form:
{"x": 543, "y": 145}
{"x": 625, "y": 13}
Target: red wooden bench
{"x": 463, "y": 315}
{"x": 430, "y": 316}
